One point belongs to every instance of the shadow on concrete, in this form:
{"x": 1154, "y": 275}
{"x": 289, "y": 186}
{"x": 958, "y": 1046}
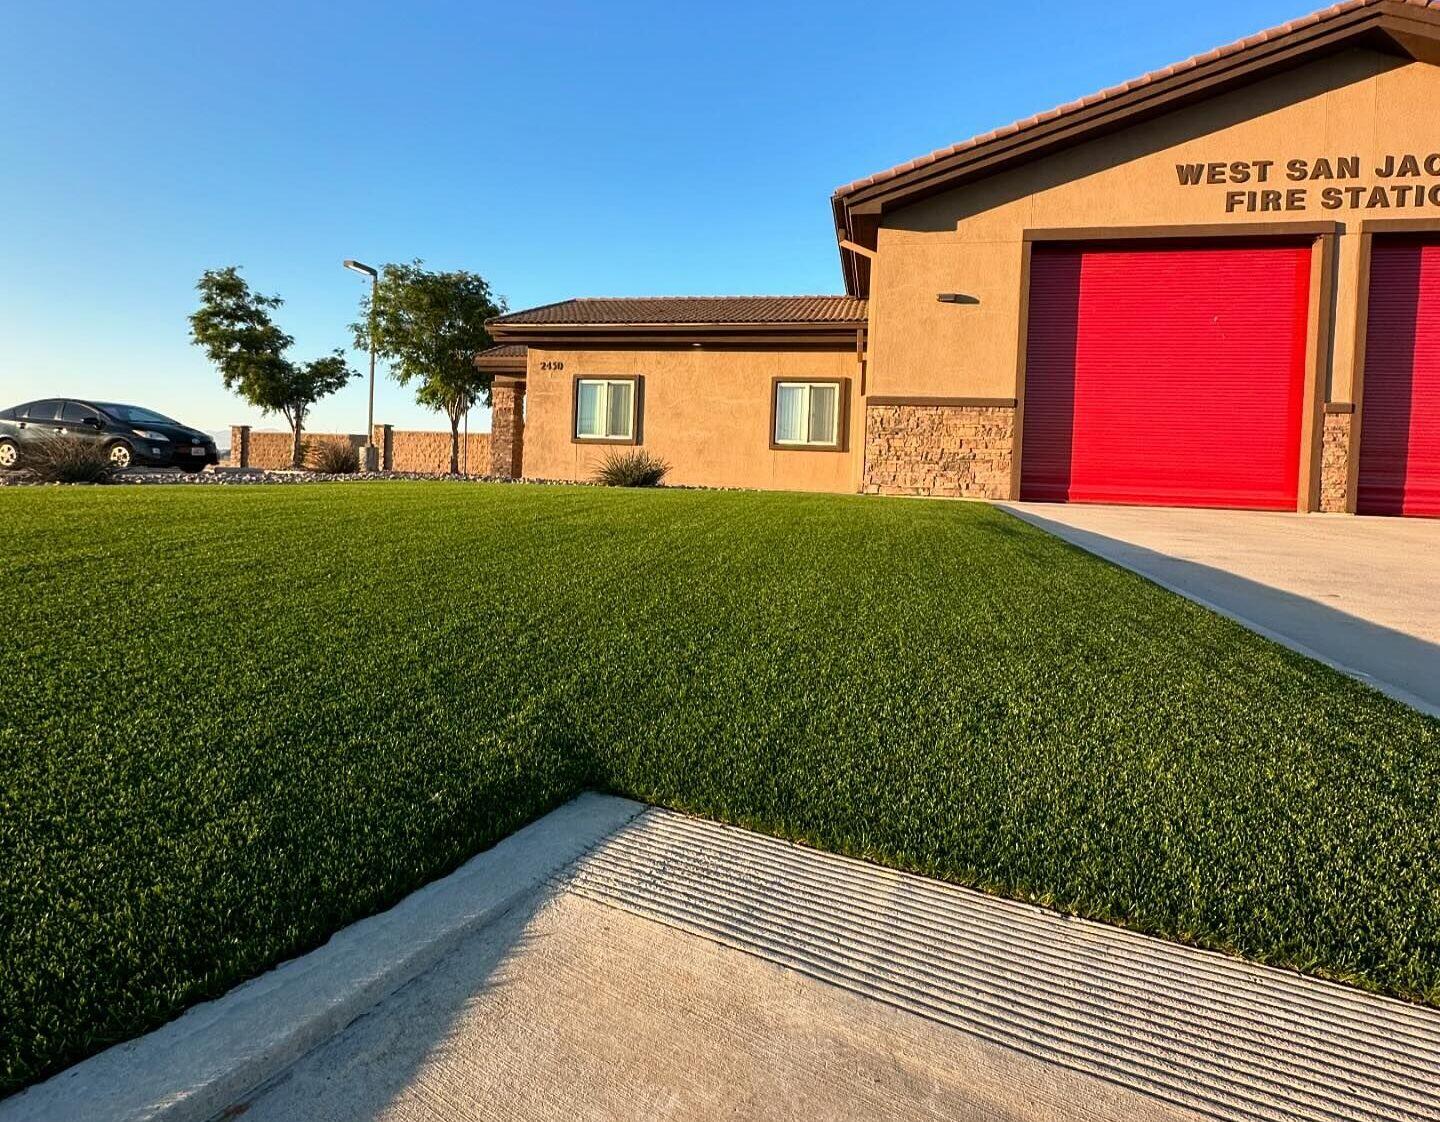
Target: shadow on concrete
{"x": 376, "y": 1065}
{"x": 1402, "y": 666}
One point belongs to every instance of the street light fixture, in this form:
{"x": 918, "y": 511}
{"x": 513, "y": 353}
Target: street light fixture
{"x": 371, "y": 458}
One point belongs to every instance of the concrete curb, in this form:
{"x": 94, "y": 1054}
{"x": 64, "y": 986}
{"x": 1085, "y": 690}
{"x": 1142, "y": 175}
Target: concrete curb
{"x": 215, "y": 1053}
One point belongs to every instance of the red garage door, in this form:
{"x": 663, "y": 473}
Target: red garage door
{"x": 1400, "y": 421}
{"x": 1173, "y": 375}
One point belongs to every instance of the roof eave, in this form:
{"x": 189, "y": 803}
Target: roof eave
{"x": 508, "y": 364}
{"x": 1391, "y": 26}
{"x": 837, "y": 332}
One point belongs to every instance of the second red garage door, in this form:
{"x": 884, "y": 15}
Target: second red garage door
{"x": 1400, "y": 421}
{"x": 1170, "y": 376}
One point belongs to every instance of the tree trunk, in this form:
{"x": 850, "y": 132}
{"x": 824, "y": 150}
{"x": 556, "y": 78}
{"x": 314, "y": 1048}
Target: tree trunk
{"x": 297, "y": 444}
{"x": 454, "y": 445}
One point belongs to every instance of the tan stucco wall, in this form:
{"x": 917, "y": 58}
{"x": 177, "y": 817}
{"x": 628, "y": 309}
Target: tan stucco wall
{"x": 970, "y": 240}
{"x": 706, "y": 411}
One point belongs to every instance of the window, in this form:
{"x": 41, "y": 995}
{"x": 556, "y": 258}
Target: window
{"x": 605, "y": 409}
{"x": 809, "y": 414}
{"x": 42, "y": 410}
{"x": 134, "y": 415}
{"x": 74, "y": 413}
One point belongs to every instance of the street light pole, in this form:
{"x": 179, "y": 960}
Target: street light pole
{"x": 371, "y": 458}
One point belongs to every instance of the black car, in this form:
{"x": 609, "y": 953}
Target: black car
{"x": 129, "y": 434}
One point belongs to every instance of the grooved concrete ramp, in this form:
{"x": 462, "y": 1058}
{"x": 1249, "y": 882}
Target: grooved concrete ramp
{"x": 1196, "y": 1030}
{"x": 613, "y": 962}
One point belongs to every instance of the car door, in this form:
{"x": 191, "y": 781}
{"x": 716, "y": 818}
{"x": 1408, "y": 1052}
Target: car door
{"x": 81, "y": 422}
{"x": 40, "y": 419}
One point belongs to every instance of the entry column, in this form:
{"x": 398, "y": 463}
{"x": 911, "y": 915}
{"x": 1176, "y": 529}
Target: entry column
{"x": 507, "y": 428}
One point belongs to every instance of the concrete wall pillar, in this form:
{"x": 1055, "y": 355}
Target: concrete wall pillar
{"x": 507, "y": 429}
{"x": 240, "y": 446}
{"x": 384, "y": 439}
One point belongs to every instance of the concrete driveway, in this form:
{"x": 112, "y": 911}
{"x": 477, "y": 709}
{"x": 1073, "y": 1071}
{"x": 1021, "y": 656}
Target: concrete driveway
{"x": 1360, "y": 594}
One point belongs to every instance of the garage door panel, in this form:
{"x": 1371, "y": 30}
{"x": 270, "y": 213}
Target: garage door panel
{"x": 1400, "y": 416}
{"x": 1169, "y": 376}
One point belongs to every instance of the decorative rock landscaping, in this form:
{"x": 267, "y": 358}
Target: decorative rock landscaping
{"x": 227, "y": 476}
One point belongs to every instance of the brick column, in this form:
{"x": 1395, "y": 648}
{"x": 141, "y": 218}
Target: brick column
{"x": 240, "y": 446}
{"x": 507, "y": 429}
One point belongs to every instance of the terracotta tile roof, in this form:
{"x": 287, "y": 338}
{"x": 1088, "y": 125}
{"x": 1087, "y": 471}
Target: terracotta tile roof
{"x": 667, "y": 310}
{"x": 1114, "y": 91}
{"x": 504, "y": 359}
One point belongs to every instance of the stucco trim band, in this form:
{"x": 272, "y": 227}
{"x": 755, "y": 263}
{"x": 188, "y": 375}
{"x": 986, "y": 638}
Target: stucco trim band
{"x": 963, "y": 402}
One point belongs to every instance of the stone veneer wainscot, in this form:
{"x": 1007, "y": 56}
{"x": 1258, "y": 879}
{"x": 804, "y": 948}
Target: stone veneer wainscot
{"x": 951, "y": 450}
{"x": 1335, "y": 463}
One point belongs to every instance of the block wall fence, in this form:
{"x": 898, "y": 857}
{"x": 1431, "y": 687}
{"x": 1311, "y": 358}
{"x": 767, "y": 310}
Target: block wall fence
{"x": 400, "y": 449}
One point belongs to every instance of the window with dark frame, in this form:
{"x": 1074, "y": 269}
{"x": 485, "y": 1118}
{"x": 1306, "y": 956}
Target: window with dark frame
{"x": 605, "y": 409}
{"x": 47, "y": 410}
{"x": 76, "y": 414}
{"x": 807, "y": 414}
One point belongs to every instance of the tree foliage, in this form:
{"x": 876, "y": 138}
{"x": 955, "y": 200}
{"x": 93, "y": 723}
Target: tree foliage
{"x": 234, "y": 327}
{"x": 429, "y": 327}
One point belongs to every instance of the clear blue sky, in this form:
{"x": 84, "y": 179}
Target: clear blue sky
{"x": 559, "y": 149}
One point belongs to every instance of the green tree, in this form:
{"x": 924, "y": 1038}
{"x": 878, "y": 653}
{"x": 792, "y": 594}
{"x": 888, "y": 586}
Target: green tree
{"x": 234, "y": 327}
{"x": 429, "y": 326}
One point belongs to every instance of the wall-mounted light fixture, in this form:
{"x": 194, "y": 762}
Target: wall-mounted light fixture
{"x": 957, "y": 298}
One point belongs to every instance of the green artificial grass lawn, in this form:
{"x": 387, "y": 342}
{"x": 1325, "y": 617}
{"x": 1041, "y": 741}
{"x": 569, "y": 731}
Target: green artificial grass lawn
{"x": 233, "y": 720}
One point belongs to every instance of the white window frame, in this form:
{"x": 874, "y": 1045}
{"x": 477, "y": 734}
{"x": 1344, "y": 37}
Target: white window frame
{"x": 630, "y": 437}
{"x": 809, "y": 384}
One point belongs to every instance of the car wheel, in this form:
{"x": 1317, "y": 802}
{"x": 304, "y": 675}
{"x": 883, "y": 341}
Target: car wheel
{"x": 120, "y": 455}
{"x": 9, "y": 455}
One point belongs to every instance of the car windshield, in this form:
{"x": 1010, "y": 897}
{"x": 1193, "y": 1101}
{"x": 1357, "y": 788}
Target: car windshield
{"x": 134, "y": 415}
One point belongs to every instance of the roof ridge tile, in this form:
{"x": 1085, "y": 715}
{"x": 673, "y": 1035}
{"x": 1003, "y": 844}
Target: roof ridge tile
{"x": 836, "y": 308}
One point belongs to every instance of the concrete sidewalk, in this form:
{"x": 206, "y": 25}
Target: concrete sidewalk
{"x": 1359, "y": 594}
{"x": 679, "y": 969}
{"x": 685, "y": 970}
{"x": 575, "y": 1011}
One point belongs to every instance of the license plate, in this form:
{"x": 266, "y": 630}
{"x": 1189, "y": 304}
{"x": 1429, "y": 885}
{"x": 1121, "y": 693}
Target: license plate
{"x": 197, "y": 451}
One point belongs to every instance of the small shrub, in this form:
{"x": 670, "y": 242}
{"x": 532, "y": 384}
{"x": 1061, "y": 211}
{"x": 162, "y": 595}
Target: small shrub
{"x": 332, "y": 458}
{"x": 67, "y": 459}
{"x": 636, "y": 468}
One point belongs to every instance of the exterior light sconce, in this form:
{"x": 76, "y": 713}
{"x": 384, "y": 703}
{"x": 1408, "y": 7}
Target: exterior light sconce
{"x": 957, "y": 298}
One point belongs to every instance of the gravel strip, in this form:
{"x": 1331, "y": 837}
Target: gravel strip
{"x": 241, "y": 476}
